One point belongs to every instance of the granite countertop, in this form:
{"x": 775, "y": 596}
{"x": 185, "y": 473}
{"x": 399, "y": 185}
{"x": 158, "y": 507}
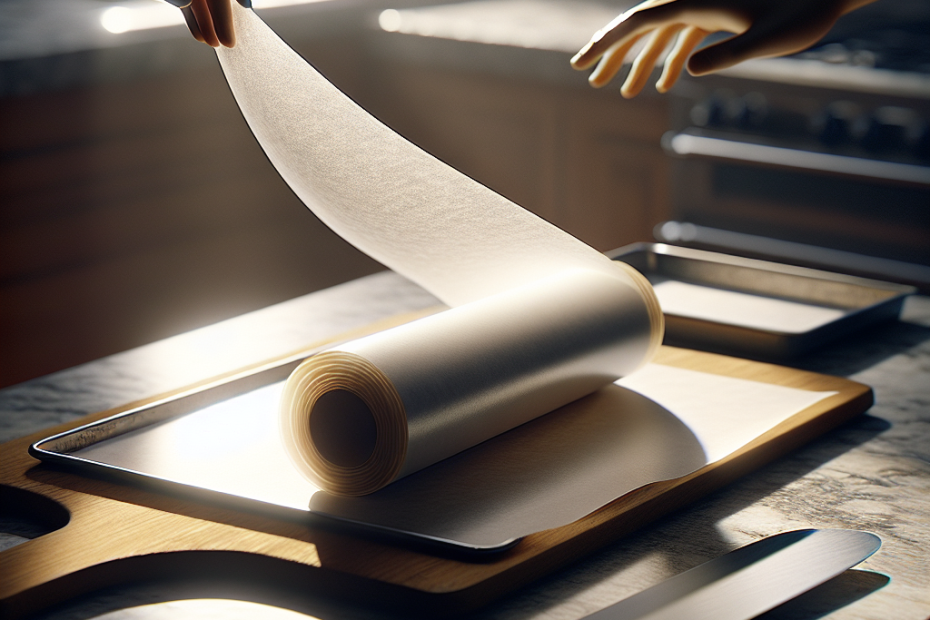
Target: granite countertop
{"x": 872, "y": 473}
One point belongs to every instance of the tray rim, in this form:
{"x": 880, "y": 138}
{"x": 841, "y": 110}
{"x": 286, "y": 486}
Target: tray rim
{"x": 759, "y": 264}
{"x": 218, "y": 390}
{"x": 254, "y": 377}
{"x": 792, "y": 343}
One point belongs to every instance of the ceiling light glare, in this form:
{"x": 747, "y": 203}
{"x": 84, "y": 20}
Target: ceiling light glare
{"x": 116, "y": 19}
{"x": 390, "y": 20}
{"x": 141, "y": 15}
{"x": 150, "y": 14}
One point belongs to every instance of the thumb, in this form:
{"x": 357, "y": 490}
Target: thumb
{"x": 764, "y": 40}
{"x": 727, "y": 53}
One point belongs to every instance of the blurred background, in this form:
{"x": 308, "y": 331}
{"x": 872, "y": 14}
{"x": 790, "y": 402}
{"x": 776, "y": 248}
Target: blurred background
{"x": 135, "y": 204}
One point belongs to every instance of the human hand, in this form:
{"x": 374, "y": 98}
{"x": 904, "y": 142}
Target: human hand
{"x": 762, "y": 29}
{"x": 210, "y": 21}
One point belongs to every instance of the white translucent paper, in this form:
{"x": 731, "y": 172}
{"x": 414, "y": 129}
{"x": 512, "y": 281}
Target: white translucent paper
{"x": 403, "y": 207}
{"x": 539, "y": 318}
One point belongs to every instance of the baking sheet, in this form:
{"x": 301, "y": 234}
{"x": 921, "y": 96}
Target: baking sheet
{"x": 757, "y": 308}
{"x": 742, "y": 309}
{"x": 659, "y": 423}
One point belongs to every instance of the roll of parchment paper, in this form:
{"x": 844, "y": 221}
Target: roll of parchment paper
{"x": 393, "y": 403}
{"x": 538, "y": 319}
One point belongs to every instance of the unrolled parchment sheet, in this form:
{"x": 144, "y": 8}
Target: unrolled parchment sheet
{"x": 403, "y": 207}
{"x": 660, "y": 423}
{"x": 539, "y": 318}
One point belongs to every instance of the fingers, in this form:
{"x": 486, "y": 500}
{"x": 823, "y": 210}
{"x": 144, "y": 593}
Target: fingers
{"x": 603, "y": 41}
{"x": 646, "y": 60}
{"x": 688, "y": 39}
{"x": 211, "y": 21}
{"x": 192, "y": 23}
{"x": 205, "y": 22}
{"x": 221, "y": 10}
{"x": 762, "y": 29}
{"x": 774, "y": 34}
{"x": 611, "y": 62}
{"x": 761, "y": 40}
{"x": 634, "y": 23}
{"x": 725, "y": 54}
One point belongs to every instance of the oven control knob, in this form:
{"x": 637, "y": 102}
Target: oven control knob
{"x": 751, "y": 111}
{"x": 881, "y": 136}
{"x": 834, "y": 130}
{"x": 833, "y": 126}
{"x": 888, "y": 129}
{"x": 922, "y": 143}
{"x": 709, "y": 113}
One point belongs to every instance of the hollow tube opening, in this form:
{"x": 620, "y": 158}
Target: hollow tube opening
{"x": 343, "y": 428}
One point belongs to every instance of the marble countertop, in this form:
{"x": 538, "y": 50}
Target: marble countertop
{"x": 871, "y": 474}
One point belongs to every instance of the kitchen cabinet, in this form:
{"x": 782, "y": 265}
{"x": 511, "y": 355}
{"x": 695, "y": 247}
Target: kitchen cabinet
{"x": 134, "y": 210}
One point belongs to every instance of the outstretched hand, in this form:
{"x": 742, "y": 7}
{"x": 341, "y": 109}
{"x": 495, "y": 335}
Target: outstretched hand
{"x": 210, "y": 21}
{"x": 762, "y": 29}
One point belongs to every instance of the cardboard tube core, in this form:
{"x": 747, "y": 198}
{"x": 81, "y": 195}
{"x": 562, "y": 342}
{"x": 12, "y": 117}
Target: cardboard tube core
{"x": 344, "y": 423}
{"x": 343, "y": 428}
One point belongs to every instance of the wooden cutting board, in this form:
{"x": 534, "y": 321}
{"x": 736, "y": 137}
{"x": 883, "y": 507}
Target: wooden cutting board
{"x": 111, "y": 533}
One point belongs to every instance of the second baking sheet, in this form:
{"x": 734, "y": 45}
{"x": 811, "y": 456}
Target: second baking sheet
{"x": 755, "y": 308}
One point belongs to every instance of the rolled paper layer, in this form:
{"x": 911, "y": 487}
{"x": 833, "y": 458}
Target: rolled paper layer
{"x": 370, "y": 411}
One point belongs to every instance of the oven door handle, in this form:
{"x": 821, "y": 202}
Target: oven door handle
{"x": 690, "y": 145}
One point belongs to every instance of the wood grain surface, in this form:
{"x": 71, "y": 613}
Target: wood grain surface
{"x": 116, "y": 533}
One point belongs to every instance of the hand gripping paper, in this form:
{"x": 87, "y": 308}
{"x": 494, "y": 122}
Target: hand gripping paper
{"x": 538, "y": 318}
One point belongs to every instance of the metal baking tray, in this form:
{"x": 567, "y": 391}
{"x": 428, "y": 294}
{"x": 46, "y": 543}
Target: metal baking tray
{"x": 755, "y": 308}
{"x": 217, "y": 444}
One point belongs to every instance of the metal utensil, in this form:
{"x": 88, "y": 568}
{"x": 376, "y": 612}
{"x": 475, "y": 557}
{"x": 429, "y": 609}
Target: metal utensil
{"x": 750, "y": 580}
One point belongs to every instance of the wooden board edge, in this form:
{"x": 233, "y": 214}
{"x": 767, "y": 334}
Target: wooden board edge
{"x": 546, "y": 551}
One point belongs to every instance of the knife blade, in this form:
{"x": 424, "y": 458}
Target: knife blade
{"x": 750, "y": 580}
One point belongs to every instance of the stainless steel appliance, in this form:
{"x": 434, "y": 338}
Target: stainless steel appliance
{"x": 830, "y": 147}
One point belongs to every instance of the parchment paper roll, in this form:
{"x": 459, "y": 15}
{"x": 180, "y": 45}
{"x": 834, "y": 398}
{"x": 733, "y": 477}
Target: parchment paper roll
{"x": 538, "y": 320}
{"x": 373, "y": 410}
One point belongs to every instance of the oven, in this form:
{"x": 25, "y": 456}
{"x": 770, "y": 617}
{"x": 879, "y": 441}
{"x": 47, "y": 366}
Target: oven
{"x": 829, "y": 148}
